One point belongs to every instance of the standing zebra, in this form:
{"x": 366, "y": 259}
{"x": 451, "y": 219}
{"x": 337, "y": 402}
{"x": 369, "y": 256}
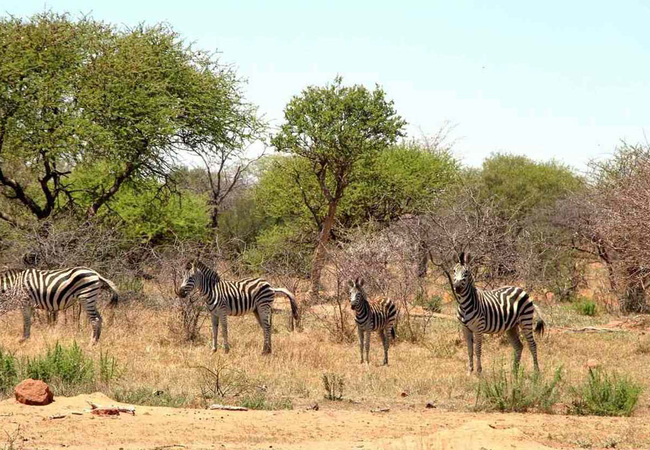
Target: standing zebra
{"x": 56, "y": 290}
{"x": 371, "y": 317}
{"x": 225, "y": 298}
{"x": 487, "y": 312}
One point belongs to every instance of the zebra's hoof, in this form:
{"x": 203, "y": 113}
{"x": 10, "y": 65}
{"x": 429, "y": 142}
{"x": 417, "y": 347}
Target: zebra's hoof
{"x": 214, "y": 349}
{"x": 226, "y": 349}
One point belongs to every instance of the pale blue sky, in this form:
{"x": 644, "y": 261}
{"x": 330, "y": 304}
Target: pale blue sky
{"x": 554, "y": 79}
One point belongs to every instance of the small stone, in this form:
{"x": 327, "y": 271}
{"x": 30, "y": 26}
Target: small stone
{"x": 404, "y": 394}
{"x": 34, "y": 392}
{"x": 430, "y": 405}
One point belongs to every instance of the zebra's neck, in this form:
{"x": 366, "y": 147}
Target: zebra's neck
{"x": 9, "y": 278}
{"x": 210, "y": 279}
{"x": 468, "y": 298}
{"x": 361, "y": 308}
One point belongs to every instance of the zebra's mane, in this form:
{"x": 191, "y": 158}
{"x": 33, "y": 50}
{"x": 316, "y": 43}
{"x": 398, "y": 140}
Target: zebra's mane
{"x": 207, "y": 271}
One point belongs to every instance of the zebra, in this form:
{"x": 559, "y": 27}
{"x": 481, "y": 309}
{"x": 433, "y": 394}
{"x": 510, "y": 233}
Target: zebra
{"x": 226, "y": 298}
{"x": 486, "y": 312}
{"x": 381, "y": 317}
{"x": 56, "y": 290}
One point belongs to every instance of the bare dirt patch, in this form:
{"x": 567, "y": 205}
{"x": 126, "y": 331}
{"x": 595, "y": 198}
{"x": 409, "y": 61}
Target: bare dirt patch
{"x": 330, "y": 427}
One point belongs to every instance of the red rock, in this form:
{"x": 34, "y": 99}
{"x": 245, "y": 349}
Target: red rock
{"x": 34, "y": 392}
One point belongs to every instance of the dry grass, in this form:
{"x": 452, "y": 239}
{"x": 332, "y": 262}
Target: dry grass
{"x": 156, "y": 360}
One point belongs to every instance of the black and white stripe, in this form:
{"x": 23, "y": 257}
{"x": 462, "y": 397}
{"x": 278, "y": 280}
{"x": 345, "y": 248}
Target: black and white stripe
{"x": 225, "y": 298}
{"x": 487, "y": 312}
{"x": 380, "y": 317}
{"x": 56, "y": 290}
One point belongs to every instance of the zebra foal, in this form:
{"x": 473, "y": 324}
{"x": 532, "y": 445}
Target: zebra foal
{"x": 225, "y": 298}
{"x": 369, "y": 317}
{"x": 487, "y": 312}
{"x": 56, "y": 290}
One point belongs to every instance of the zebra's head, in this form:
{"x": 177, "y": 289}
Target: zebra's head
{"x": 462, "y": 274}
{"x": 189, "y": 276}
{"x": 356, "y": 292}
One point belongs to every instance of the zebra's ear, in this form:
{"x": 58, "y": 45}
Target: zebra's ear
{"x": 468, "y": 258}
{"x": 360, "y": 282}
{"x": 461, "y": 258}
{"x": 351, "y": 283}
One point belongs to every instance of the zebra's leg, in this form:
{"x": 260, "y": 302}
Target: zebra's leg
{"x": 215, "y": 331}
{"x": 478, "y": 341}
{"x": 384, "y": 340}
{"x": 532, "y": 346}
{"x": 469, "y": 339}
{"x": 361, "y": 334}
{"x": 224, "y": 332}
{"x": 89, "y": 302}
{"x": 367, "y": 342}
{"x": 263, "y": 314}
{"x": 27, "y": 321}
{"x": 513, "y": 337}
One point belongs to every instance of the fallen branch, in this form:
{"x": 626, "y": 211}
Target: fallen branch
{"x": 593, "y": 330}
{"x": 110, "y": 410}
{"x": 57, "y": 416}
{"x": 227, "y": 407}
{"x": 380, "y": 410}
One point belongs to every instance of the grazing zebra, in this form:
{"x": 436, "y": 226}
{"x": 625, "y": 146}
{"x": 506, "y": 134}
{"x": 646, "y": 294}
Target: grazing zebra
{"x": 371, "y": 317}
{"x": 225, "y": 298}
{"x": 487, "y": 312}
{"x": 56, "y": 290}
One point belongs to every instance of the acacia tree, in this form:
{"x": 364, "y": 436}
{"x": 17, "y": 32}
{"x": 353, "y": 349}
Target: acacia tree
{"x": 335, "y": 127}
{"x": 75, "y": 94}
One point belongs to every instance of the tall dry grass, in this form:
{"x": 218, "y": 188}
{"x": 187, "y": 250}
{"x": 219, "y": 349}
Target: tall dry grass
{"x": 157, "y": 362}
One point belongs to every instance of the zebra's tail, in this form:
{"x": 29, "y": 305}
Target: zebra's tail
{"x": 540, "y": 326}
{"x": 292, "y": 300}
{"x": 110, "y": 285}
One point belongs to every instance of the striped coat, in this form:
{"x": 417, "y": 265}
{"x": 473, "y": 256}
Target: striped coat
{"x": 381, "y": 317}
{"x": 494, "y": 311}
{"x": 226, "y": 298}
{"x": 56, "y": 290}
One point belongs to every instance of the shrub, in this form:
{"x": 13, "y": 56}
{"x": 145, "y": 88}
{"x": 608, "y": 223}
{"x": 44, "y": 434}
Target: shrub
{"x": 150, "y": 397}
{"x": 109, "y": 368}
{"x": 516, "y": 391}
{"x": 260, "y": 401}
{"x": 333, "y": 385}
{"x": 432, "y": 304}
{"x": 605, "y": 394}
{"x": 586, "y": 307}
{"x": 68, "y": 365}
{"x": 8, "y": 372}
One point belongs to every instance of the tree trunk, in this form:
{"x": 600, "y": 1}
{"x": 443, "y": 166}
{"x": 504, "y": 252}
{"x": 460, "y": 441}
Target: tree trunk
{"x": 214, "y": 218}
{"x": 320, "y": 252}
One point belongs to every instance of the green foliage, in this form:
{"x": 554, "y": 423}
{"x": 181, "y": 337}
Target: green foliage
{"x": 260, "y": 401}
{"x": 8, "y": 371}
{"x": 522, "y": 184}
{"x": 333, "y": 385}
{"x": 77, "y": 93}
{"x": 149, "y": 396}
{"x": 516, "y": 391}
{"x": 431, "y": 304}
{"x": 585, "y": 307}
{"x": 109, "y": 368}
{"x": 605, "y": 394}
{"x": 279, "y": 250}
{"x": 67, "y": 365}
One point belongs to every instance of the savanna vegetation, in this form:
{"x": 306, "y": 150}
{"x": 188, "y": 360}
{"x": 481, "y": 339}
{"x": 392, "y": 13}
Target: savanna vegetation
{"x": 130, "y": 151}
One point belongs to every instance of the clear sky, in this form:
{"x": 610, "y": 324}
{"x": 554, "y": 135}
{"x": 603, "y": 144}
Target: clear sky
{"x": 555, "y": 79}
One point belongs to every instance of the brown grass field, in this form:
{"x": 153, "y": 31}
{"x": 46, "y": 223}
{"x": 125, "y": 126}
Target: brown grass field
{"x": 152, "y": 359}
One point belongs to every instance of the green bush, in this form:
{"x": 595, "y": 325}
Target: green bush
{"x": 605, "y": 394}
{"x": 333, "y": 385}
{"x": 260, "y": 401}
{"x": 67, "y": 365}
{"x": 585, "y": 307}
{"x": 109, "y": 369}
{"x": 150, "y": 397}
{"x": 516, "y": 391}
{"x": 432, "y": 304}
{"x": 8, "y": 372}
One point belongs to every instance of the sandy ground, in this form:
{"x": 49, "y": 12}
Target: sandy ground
{"x": 331, "y": 427}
